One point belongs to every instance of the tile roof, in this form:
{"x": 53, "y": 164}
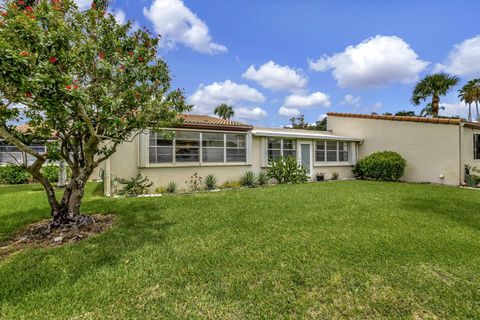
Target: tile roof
{"x": 399, "y": 118}
{"x": 201, "y": 121}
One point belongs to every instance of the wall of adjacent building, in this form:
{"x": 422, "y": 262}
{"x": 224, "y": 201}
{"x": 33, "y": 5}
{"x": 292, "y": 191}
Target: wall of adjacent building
{"x": 431, "y": 150}
{"x": 468, "y": 148}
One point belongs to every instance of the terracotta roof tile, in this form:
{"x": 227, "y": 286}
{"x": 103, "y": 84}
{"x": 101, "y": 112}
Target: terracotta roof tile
{"x": 201, "y": 121}
{"x": 398, "y": 118}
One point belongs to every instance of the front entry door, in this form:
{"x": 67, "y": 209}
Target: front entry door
{"x": 306, "y": 157}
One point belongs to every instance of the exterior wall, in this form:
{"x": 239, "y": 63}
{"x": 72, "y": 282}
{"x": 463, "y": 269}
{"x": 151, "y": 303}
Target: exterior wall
{"x": 467, "y": 149}
{"x": 126, "y": 163}
{"x": 431, "y": 150}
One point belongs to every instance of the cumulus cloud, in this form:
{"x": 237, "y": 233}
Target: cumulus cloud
{"x": 250, "y": 113}
{"x": 455, "y": 109}
{"x": 276, "y": 77}
{"x": 178, "y": 24}
{"x": 83, "y": 4}
{"x": 351, "y": 100}
{"x": 375, "y": 62}
{"x": 463, "y": 59}
{"x": 206, "y": 98}
{"x": 288, "y": 112}
{"x": 307, "y": 101}
{"x": 120, "y": 16}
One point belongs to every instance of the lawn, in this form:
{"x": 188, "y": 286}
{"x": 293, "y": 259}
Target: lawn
{"x": 320, "y": 250}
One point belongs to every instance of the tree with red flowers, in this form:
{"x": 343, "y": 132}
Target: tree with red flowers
{"x": 84, "y": 79}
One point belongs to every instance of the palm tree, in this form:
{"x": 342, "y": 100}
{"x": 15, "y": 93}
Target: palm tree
{"x": 428, "y": 111}
{"x": 466, "y": 95}
{"x": 224, "y": 111}
{"x": 475, "y": 83}
{"x": 433, "y": 85}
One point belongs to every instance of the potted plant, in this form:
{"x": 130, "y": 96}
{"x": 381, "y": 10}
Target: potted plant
{"x": 320, "y": 176}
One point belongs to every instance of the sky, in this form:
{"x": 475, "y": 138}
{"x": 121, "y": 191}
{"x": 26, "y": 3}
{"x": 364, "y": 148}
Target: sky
{"x": 274, "y": 59}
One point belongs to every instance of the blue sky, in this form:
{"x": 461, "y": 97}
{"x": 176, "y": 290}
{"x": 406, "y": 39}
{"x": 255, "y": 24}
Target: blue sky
{"x": 275, "y": 58}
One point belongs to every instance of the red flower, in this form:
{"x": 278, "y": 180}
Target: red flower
{"x": 4, "y": 13}
{"x": 56, "y": 1}
{"x": 101, "y": 55}
{"x": 69, "y": 87}
{"x": 75, "y": 87}
{"x": 140, "y": 59}
{"x": 53, "y": 60}
{"x": 29, "y": 9}
{"x": 24, "y": 53}
{"x": 130, "y": 53}
{"x": 21, "y": 2}
{"x": 28, "y": 94}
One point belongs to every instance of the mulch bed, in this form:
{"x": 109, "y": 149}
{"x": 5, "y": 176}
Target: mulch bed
{"x": 40, "y": 235}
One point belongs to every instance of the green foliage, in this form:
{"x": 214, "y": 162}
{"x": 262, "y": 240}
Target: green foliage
{"x": 171, "y": 187}
{"x": 230, "y": 184}
{"x": 210, "y": 182}
{"x": 224, "y": 111}
{"x": 248, "y": 179}
{"x": 286, "y": 170}
{"x": 262, "y": 178}
{"x": 52, "y": 171}
{"x": 335, "y": 176}
{"x": 13, "y": 174}
{"x": 195, "y": 183}
{"x": 134, "y": 186}
{"x": 433, "y": 86}
{"x": 385, "y": 165}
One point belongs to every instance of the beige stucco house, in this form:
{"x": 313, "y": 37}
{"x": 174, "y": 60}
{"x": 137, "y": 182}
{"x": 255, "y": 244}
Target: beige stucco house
{"x": 436, "y": 149}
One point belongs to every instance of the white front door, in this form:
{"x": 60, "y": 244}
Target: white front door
{"x": 305, "y": 156}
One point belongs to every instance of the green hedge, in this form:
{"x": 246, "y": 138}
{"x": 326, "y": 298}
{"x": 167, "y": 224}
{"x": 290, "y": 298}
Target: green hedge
{"x": 13, "y": 174}
{"x": 385, "y": 165}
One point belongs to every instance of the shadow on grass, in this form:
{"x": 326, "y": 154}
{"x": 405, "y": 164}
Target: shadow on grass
{"x": 137, "y": 224}
{"x": 461, "y": 211}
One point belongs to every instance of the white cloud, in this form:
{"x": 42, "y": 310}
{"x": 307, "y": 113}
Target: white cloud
{"x": 375, "y": 62}
{"x": 83, "y": 4}
{"x": 376, "y": 106}
{"x": 321, "y": 117}
{"x": 120, "y": 16}
{"x": 455, "y": 109}
{"x": 178, "y": 24}
{"x": 288, "y": 112}
{"x": 300, "y": 101}
{"x": 463, "y": 59}
{"x": 275, "y": 77}
{"x": 250, "y": 113}
{"x": 351, "y": 100}
{"x": 206, "y": 98}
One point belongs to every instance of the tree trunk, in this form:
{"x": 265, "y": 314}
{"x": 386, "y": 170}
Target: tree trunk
{"x": 478, "y": 114}
{"x": 62, "y": 174}
{"x": 435, "y": 105}
{"x": 469, "y": 112}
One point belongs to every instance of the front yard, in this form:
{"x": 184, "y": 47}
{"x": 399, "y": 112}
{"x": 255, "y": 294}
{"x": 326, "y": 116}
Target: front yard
{"x": 344, "y": 249}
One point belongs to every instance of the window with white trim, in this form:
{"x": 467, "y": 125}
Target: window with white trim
{"x": 11, "y": 154}
{"x": 476, "y": 146}
{"x": 278, "y": 147}
{"x": 331, "y": 151}
{"x": 197, "y": 147}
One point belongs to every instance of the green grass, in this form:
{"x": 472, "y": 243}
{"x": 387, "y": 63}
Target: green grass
{"x": 344, "y": 249}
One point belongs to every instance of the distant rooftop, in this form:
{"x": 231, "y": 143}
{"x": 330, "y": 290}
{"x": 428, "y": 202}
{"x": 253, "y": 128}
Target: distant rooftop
{"x": 207, "y": 122}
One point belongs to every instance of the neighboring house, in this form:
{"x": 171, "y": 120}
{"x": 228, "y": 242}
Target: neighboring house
{"x": 436, "y": 149}
{"x": 10, "y": 154}
{"x": 227, "y": 149}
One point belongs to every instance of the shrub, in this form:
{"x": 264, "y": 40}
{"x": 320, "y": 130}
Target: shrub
{"x": 335, "y": 176}
{"x": 12, "y": 174}
{"x": 385, "y": 165}
{"x": 161, "y": 190}
{"x": 248, "y": 179}
{"x": 210, "y": 182}
{"x": 230, "y": 184}
{"x": 286, "y": 170}
{"x": 262, "y": 178}
{"x": 171, "y": 187}
{"x": 195, "y": 182}
{"x": 134, "y": 186}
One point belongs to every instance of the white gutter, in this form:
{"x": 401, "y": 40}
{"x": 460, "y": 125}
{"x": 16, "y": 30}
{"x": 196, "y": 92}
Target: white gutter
{"x": 287, "y": 133}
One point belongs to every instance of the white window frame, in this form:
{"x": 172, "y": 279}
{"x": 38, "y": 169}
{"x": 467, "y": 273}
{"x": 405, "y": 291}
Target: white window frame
{"x": 325, "y": 151}
{"x": 295, "y": 143}
{"x": 174, "y": 163}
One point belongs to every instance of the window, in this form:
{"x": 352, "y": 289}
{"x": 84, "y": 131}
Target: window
{"x": 11, "y": 154}
{"x": 277, "y": 147}
{"x": 197, "y": 147}
{"x": 476, "y": 146}
{"x": 331, "y": 151}
{"x": 236, "y": 148}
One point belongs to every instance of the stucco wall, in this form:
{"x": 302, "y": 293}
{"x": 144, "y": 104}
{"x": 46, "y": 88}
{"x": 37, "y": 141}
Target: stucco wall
{"x": 125, "y": 164}
{"x": 431, "y": 150}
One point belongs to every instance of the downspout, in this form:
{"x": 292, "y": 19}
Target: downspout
{"x": 460, "y": 131}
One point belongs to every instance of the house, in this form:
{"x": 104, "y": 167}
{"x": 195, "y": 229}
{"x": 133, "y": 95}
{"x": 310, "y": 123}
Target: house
{"x": 436, "y": 149}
